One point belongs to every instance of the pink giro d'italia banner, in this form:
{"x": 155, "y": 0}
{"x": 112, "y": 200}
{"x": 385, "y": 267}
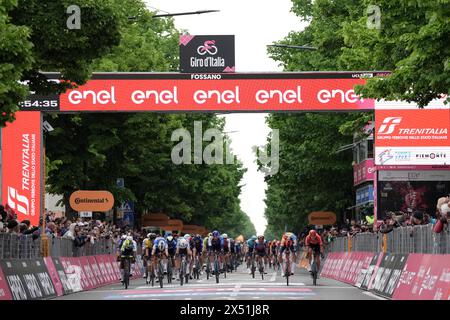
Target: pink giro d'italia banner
{"x": 424, "y": 277}
{"x": 54, "y": 275}
{"x": 5, "y": 294}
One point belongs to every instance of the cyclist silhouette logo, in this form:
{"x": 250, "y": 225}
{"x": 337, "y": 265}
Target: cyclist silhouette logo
{"x": 207, "y": 47}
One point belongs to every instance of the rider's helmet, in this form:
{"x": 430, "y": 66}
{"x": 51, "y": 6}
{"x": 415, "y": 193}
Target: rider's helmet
{"x": 149, "y": 235}
{"x": 209, "y": 234}
{"x": 187, "y": 236}
{"x": 130, "y": 238}
{"x": 254, "y": 237}
{"x": 124, "y": 236}
{"x": 183, "y": 244}
{"x": 312, "y": 233}
{"x": 215, "y": 234}
{"x": 278, "y": 243}
{"x": 225, "y": 236}
{"x": 169, "y": 238}
{"x": 161, "y": 245}
{"x": 152, "y": 236}
{"x": 261, "y": 237}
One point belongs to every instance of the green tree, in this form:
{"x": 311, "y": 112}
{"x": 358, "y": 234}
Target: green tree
{"x": 35, "y": 38}
{"x": 15, "y": 59}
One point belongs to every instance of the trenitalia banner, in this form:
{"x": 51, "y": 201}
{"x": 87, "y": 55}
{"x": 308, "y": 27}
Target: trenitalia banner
{"x": 412, "y": 136}
{"x": 21, "y": 166}
{"x": 170, "y": 92}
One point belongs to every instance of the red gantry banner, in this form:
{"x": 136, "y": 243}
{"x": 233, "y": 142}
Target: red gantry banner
{"x": 21, "y": 163}
{"x": 230, "y": 92}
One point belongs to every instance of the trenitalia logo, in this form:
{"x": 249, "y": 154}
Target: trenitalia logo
{"x": 389, "y": 125}
{"x": 18, "y": 202}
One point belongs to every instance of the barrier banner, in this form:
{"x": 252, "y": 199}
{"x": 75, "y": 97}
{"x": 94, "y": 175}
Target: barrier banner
{"x": 5, "y": 294}
{"x": 73, "y": 273}
{"x": 96, "y": 270}
{"x": 109, "y": 269}
{"x": 116, "y": 267}
{"x": 371, "y": 272}
{"x": 424, "y": 277}
{"x": 54, "y": 276}
{"x": 75, "y": 261}
{"x": 102, "y": 261}
{"x": 28, "y": 279}
{"x": 66, "y": 284}
{"x": 90, "y": 280}
{"x": 388, "y": 274}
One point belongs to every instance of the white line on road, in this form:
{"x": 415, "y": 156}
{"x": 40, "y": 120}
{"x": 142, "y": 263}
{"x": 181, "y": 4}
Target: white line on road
{"x": 236, "y": 290}
{"x": 274, "y": 276}
{"x": 370, "y": 294}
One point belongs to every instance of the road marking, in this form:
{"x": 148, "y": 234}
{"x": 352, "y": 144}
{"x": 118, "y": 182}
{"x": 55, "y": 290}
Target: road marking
{"x": 274, "y": 276}
{"x": 236, "y": 290}
{"x": 370, "y": 294}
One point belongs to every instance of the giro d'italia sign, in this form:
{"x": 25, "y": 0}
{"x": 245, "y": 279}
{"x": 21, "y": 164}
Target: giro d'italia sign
{"x": 210, "y": 54}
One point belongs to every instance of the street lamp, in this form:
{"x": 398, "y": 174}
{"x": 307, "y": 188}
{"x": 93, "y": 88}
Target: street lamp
{"x": 179, "y": 14}
{"x": 288, "y": 46}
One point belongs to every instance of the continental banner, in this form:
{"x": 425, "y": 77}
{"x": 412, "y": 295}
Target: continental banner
{"x": 21, "y": 165}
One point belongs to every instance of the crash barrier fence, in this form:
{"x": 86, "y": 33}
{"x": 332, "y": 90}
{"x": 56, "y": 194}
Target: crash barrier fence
{"x": 417, "y": 239}
{"x": 396, "y": 276}
{"x": 51, "y": 277}
{"x": 19, "y": 246}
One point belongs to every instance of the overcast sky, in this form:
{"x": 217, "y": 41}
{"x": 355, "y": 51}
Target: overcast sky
{"x": 255, "y": 24}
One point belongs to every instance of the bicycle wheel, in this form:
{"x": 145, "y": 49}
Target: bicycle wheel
{"x": 169, "y": 270}
{"x": 208, "y": 267}
{"x": 253, "y": 268}
{"x": 216, "y": 269}
{"x": 314, "y": 271}
{"x": 126, "y": 273}
{"x": 182, "y": 272}
{"x": 160, "y": 274}
{"x": 261, "y": 268}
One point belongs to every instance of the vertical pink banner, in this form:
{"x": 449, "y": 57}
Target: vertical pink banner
{"x": 5, "y": 294}
{"x": 54, "y": 275}
{"x": 96, "y": 270}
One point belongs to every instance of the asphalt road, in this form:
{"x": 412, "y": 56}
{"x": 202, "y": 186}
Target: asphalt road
{"x": 238, "y": 285}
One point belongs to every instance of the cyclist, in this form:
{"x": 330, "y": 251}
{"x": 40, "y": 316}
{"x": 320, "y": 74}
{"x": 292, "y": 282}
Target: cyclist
{"x": 232, "y": 253}
{"x": 119, "y": 246}
{"x": 159, "y": 247}
{"x": 289, "y": 241}
{"x": 215, "y": 245}
{"x": 314, "y": 243}
{"x": 127, "y": 252}
{"x": 147, "y": 247}
{"x": 197, "y": 249}
{"x": 190, "y": 240}
{"x": 182, "y": 249}
{"x": 205, "y": 247}
{"x": 226, "y": 248}
{"x": 260, "y": 249}
{"x": 273, "y": 249}
{"x": 171, "y": 249}
{"x": 249, "y": 254}
{"x": 238, "y": 249}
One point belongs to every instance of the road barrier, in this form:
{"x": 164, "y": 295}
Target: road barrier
{"x": 395, "y": 276}
{"x": 47, "y": 278}
{"x": 19, "y": 246}
{"x": 417, "y": 239}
